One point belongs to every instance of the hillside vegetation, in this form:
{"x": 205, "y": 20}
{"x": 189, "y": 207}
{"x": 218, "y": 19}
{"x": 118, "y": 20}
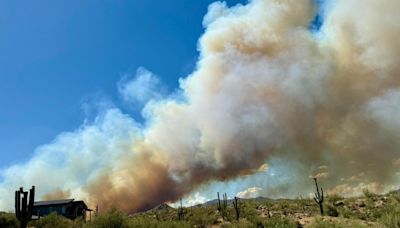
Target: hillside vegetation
{"x": 369, "y": 210}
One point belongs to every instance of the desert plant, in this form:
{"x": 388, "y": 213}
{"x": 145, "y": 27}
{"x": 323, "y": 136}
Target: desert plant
{"x": 223, "y": 208}
{"x": 268, "y": 205}
{"x": 112, "y": 219}
{"x": 236, "y": 206}
{"x": 368, "y": 194}
{"x": 391, "y": 218}
{"x": 319, "y": 197}
{"x": 8, "y": 220}
{"x": 225, "y": 201}
{"x": 334, "y": 198}
{"x": 143, "y": 222}
{"x": 203, "y": 217}
{"x": 332, "y": 211}
{"x": 337, "y": 223}
{"x": 218, "y": 202}
{"x": 181, "y": 213}
{"x": 52, "y": 220}
{"x": 23, "y": 208}
{"x": 280, "y": 222}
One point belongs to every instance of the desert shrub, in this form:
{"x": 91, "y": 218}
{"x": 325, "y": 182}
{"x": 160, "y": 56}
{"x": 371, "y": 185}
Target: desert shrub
{"x": 391, "y": 218}
{"x": 334, "y": 198}
{"x": 302, "y": 204}
{"x": 278, "y": 222}
{"x": 346, "y": 213}
{"x": 79, "y": 222}
{"x": 203, "y": 217}
{"x": 242, "y": 223}
{"x": 368, "y": 194}
{"x": 331, "y": 211}
{"x": 8, "y": 220}
{"x": 144, "y": 222}
{"x": 52, "y": 220}
{"x": 112, "y": 219}
{"x": 395, "y": 196}
{"x": 249, "y": 213}
{"x": 337, "y": 223}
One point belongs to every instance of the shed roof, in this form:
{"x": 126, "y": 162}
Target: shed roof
{"x": 52, "y": 202}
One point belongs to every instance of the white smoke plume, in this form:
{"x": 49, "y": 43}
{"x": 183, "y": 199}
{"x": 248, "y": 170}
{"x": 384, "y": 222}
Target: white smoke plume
{"x": 144, "y": 87}
{"x": 252, "y": 192}
{"x": 265, "y": 86}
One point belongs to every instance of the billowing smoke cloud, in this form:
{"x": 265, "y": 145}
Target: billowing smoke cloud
{"x": 252, "y": 192}
{"x": 143, "y": 88}
{"x": 264, "y": 87}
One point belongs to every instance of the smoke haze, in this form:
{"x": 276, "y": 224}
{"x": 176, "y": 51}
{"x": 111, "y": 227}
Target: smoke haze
{"x": 265, "y": 86}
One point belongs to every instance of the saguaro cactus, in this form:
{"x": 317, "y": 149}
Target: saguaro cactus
{"x": 225, "y": 201}
{"x": 222, "y": 208}
{"x": 218, "y": 203}
{"x": 236, "y": 206}
{"x": 181, "y": 213}
{"x": 319, "y": 196}
{"x": 23, "y": 208}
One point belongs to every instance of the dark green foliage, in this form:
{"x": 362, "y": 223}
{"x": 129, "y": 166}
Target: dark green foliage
{"x": 203, "y": 216}
{"x": 8, "y": 220}
{"x": 331, "y": 211}
{"x": 52, "y": 220}
{"x": 112, "y": 219}
{"x": 325, "y": 222}
{"x": 368, "y": 194}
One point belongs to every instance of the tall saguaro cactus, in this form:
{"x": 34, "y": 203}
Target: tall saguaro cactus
{"x": 319, "y": 196}
{"x": 181, "y": 212}
{"x": 218, "y": 203}
{"x": 222, "y": 208}
{"x": 236, "y": 206}
{"x": 23, "y": 208}
{"x": 225, "y": 201}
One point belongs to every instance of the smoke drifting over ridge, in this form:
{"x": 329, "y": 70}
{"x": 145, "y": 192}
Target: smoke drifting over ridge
{"x": 264, "y": 86}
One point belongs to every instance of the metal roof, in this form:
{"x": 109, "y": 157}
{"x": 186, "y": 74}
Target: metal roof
{"x": 52, "y": 202}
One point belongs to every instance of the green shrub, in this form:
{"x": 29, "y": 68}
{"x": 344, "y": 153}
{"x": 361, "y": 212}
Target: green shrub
{"x": 112, "y": 219}
{"x": 8, "y": 220}
{"x": 346, "y": 213}
{"x": 331, "y": 211}
{"x": 52, "y": 220}
{"x": 277, "y": 222}
{"x": 395, "y": 195}
{"x": 337, "y": 223}
{"x": 334, "y": 198}
{"x": 202, "y": 218}
{"x": 145, "y": 222}
{"x": 368, "y": 194}
{"x": 391, "y": 218}
{"x": 242, "y": 223}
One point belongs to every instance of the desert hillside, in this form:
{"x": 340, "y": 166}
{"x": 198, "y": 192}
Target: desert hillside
{"x": 368, "y": 210}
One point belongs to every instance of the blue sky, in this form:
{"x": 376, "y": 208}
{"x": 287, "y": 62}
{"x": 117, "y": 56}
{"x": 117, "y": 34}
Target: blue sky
{"x": 56, "y": 56}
